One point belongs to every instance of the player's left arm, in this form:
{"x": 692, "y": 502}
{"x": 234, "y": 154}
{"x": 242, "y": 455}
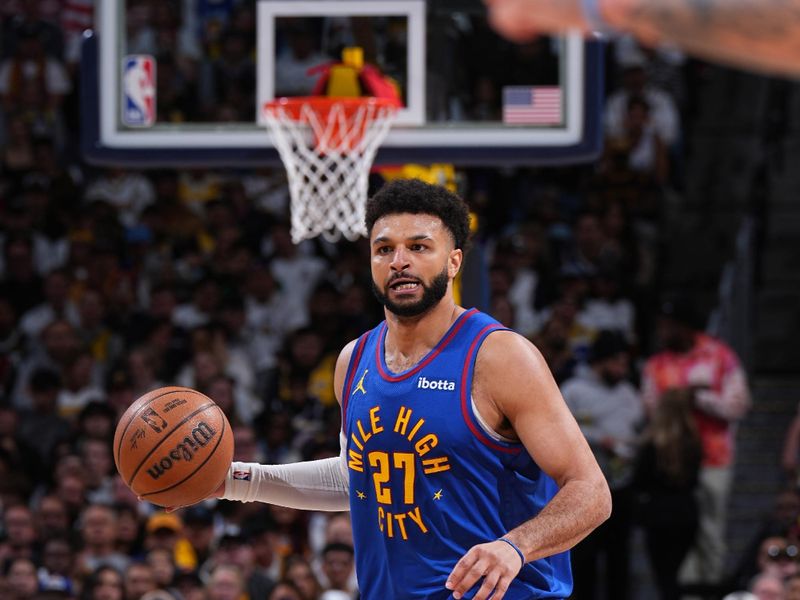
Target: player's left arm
{"x": 515, "y": 379}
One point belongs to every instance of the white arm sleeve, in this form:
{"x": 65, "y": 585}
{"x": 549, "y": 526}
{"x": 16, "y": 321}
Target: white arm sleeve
{"x": 312, "y": 485}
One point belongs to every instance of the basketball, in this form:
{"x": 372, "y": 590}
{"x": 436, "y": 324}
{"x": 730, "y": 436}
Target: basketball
{"x": 173, "y": 446}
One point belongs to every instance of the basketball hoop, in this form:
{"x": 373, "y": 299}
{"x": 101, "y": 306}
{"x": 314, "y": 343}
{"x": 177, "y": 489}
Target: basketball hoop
{"x": 327, "y": 145}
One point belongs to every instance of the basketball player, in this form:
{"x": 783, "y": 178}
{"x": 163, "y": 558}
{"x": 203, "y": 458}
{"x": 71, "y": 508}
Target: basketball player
{"x": 757, "y": 34}
{"x": 464, "y": 471}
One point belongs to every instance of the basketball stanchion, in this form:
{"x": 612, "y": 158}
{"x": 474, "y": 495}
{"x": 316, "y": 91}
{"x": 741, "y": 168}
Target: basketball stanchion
{"x": 327, "y": 145}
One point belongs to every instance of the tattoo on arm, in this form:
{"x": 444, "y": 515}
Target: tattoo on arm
{"x": 758, "y": 33}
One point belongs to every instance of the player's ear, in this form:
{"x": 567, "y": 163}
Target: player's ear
{"x": 454, "y": 262}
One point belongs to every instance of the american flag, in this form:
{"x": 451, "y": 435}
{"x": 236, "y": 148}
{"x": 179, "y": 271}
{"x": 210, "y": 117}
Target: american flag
{"x": 537, "y": 105}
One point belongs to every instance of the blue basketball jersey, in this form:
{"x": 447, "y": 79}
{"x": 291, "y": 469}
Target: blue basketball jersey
{"x": 426, "y": 480}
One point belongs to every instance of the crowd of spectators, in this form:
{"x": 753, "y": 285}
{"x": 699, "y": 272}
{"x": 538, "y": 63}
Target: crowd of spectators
{"x": 114, "y": 282}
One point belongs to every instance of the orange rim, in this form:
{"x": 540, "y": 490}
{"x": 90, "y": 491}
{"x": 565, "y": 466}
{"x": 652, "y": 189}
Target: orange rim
{"x": 322, "y": 105}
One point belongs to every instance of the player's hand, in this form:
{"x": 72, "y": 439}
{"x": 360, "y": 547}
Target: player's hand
{"x": 522, "y": 20}
{"x": 496, "y": 562}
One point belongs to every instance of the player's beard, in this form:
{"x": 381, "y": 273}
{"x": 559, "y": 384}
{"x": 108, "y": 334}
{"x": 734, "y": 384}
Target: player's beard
{"x": 431, "y": 295}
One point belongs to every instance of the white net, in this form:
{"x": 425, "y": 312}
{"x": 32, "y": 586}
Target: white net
{"x": 328, "y": 149}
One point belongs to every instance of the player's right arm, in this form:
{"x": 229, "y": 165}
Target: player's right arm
{"x": 756, "y": 34}
{"x": 311, "y": 485}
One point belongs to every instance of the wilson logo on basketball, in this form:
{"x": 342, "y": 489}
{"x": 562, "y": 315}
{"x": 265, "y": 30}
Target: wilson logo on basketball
{"x": 185, "y": 450}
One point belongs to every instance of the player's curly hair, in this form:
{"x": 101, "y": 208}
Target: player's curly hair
{"x": 417, "y": 197}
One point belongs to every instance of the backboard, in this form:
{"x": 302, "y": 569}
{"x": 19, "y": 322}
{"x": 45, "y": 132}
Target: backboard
{"x": 181, "y": 84}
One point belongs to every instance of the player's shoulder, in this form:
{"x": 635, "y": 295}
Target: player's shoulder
{"x": 507, "y": 350}
{"x": 506, "y": 339}
{"x": 340, "y": 370}
{"x": 346, "y": 354}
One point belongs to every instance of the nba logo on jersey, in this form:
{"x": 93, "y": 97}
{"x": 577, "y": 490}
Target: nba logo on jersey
{"x": 139, "y": 91}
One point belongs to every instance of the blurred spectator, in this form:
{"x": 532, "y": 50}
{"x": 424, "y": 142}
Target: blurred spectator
{"x": 245, "y": 444}
{"x": 42, "y": 421}
{"x": 775, "y": 554}
{"x": 129, "y": 529}
{"x": 52, "y": 518}
{"x": 19, "y": 455}
{"x": 28, "y": 67}
{"x": 778, "y": 556}
{"x": 12, "y": 345}
{"x": 664, "y": 64}
{"x": 99, "y": 464}
{"x": 18, "y": 155}
{"x": 195, "y": 190}
{"x": 793, "y": 588}
{"x": 278, "y": 440}
{"x": 338, "y": 563}
{"x": 502, "y": 310}
{"x": 666, "y": 480}
{"x": 21, "y": 284}
{"x": 300, "y": 573}
{"x": 138, "y": 580}
{"x": 269, "y": 315}
{"x": 29, "y": 19}
{"x": 221, "y": 389}
{"x": 565, "y": 312}
{"x": 20, "y": 574}
{"x": 189, "y": 586}
{"x": 104, "y": 583}
{"x": 589, "y": 251}
{"x": 142, "y": 371}
{"x": 230, "y": 80}
{"x": 609, "y": 412}
{"x": 690, "y": 358}
{"x": 206, "y": 295}
{"x": 782, "y": 521}
{"x": 101, "y": 340}
{"x": 57, "y": 305}
{"x": 291, "y": 531}
{"x": 59, "y": 344}
{"x": 266, "y": 567}
{"x": 198, "y": 524}
{"x": 165, "y": 531}
{"x": 305, "y": 356}
{"x": 296, "y": 271}
{"x": 98, "y": 531}
{"x": 96, "y": 421}
{"x": 162, "y": 567}
{"x": 19, "y": 533}
{"x": 79, "y": 388}
{"x": 175, "y": 92}
{"x": 553, "y": 342}
{"x": 635, "y": 82}
{"x": 767, "y": 586}
{"x": 299, "y": 54}
{"x": 127, "y": 191}
{"x": 523, "y": 256}
{"x": 225, "y": 583}
{"x": 637, "y": 147}
{"x": 71, "y": 488}
{"x": 57, "y": 563}
{"x": 607, "y": 308}
{"x": 287, "y": 590}
{"x": 237, "y": 550}
{"x": 212, "y": 358}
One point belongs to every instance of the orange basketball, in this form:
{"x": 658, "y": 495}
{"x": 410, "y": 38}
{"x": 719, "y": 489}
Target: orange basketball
{"x": 173, "y": 446}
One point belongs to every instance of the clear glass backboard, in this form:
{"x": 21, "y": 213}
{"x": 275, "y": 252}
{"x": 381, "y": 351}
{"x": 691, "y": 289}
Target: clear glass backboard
{"x": 180, "y": 84}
